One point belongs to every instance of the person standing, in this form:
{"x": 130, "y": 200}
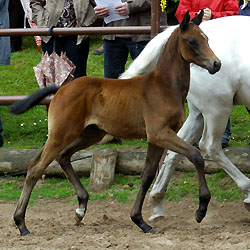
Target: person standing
{"x": 66, "y": 14}
{"x": 212, "y": 9}
{"x": 4, "y": 45}
{"x": 118, "y": 46}
{"x": 244, "y": 9}
{"x": 16, "y": 15}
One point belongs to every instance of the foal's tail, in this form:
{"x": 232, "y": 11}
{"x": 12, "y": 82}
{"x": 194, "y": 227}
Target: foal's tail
{"x": 32, "y": 100}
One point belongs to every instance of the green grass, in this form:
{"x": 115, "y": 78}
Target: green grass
{"x": 29, "y": 130}
{"x": 221, "y": 186}
{"x": 124, "y": 190}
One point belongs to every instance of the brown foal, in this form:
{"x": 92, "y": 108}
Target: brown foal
{"x": 147, "y": 106}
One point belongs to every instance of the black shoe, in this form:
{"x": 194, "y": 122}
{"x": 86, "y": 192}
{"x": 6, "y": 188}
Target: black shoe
{"x": 224, "y": 144}
{"x": 99, "y": 51}
{"x": 1, "y": 140}
{"x": 196, "y": 144}
{"x": 13, "y": 49}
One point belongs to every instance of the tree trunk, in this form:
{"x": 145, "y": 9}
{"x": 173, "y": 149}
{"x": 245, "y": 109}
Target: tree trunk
{"x": 102, "y": 170}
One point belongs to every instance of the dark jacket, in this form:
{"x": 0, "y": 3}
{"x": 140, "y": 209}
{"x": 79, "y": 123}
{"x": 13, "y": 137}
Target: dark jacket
{"x": 140, "y": 15}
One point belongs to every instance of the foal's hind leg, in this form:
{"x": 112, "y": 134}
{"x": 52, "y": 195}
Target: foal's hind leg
{"x": 91, "y": 135}
{"x": 154, "y": 154}
{"x": 40, "y": 163}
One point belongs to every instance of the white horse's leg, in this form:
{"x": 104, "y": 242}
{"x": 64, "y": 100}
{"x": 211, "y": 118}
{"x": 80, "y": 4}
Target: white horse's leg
{"x": 210, "y": 143}
{"x": 190, "y": 132}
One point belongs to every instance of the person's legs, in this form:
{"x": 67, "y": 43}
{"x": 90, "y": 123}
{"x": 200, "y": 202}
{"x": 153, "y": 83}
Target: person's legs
{"x": 99, "y": 51}
{"x": 1, "y": 129}
{"x": 48, "y": 47}
{"x": 135, "y": 48}
{"x": 115, "y": 57}
{"x": 16, "y": 15}
{"x": 226, "y": 135}
{"x": 78, "y": 54}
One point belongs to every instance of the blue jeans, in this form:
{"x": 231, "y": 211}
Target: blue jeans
{"x": 78, "y": 54}
{"x": 227, "y": 133}
{"x": 116, "y": 55}
{"x": 224, "y": 138}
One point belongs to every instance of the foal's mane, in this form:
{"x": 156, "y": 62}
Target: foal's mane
{"x": 150, "y": 56}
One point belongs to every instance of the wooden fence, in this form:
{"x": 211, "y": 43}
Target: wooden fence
{"x": 154, "y": 29}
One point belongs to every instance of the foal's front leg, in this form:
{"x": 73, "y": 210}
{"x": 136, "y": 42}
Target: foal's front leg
{"x": 154, "y": 154}
{"x": 168, "y": 139}
{"x": 189, "y": 132}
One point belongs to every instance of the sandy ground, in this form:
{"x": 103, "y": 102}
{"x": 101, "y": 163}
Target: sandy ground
{"x": 107, "y": 225}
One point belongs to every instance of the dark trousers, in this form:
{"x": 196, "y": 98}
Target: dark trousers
{"x": 227, "y": 133}
{"x": 16, "y": 15}
{"x": 78, "y": 54}
{"x": 1, "y": 129}
{"x": 116, "y": 55}
{"x": 1, "y": 126}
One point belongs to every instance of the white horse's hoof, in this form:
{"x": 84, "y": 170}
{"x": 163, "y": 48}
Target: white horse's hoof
{"x": 155, "y": 216}
{"x": 247, "y": 206}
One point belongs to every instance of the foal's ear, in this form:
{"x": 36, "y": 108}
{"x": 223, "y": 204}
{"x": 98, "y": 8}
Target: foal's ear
{"x": 198, "y": 18}
{"x": 185, "y": 21}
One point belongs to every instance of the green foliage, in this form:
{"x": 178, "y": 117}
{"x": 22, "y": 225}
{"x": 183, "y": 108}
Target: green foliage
{"x": 172, "y": 6}
{"x": 240, "y": 126}
{"x": 29, "y": 130}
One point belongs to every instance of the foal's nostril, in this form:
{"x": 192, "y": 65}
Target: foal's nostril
{"x": 217, "y": 65}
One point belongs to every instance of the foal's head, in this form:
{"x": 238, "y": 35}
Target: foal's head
{"x": 194, "y": 44}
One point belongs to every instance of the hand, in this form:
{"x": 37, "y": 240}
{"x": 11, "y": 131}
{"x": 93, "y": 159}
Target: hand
{"x": 207, "y": 14}
{"x": 101, "y": 11}
{"x": 122, "y": 9}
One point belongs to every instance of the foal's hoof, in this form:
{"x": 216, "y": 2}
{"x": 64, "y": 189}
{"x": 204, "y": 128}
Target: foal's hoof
{"x": 247, "y": 206}
{"x": 79, "y": 224}
{"x": 25, "y": 232}
{"x": 198, "y": 217}
{"x": 80, "y": 212}
{"x": 151, "y": 231}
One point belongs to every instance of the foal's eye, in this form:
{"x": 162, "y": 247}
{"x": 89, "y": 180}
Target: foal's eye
{"x": 192, "y": 41}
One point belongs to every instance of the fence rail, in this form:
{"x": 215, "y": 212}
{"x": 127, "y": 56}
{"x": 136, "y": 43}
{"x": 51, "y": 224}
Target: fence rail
{"x": 154, "y": 29}
{"x": 8, "y": 100}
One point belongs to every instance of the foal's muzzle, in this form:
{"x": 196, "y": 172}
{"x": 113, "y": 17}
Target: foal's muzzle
{"x": 214, "y": 66}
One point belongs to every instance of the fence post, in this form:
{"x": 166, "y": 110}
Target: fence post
{"x": 155, "y": 18}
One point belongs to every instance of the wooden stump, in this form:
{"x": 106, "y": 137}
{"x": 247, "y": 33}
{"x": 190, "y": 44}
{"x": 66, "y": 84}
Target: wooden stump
{"x": 102, "y": 170}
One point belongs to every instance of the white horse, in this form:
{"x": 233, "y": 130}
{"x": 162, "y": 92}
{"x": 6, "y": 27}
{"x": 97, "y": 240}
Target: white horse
{"x": 210, "y": 98}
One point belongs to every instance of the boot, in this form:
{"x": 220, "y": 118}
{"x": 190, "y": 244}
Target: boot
{"x": 99, "y": 51}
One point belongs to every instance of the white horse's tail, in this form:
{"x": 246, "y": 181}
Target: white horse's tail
{"x": 148, "y": 59}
